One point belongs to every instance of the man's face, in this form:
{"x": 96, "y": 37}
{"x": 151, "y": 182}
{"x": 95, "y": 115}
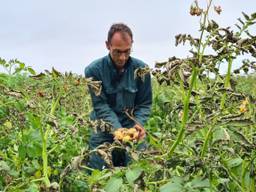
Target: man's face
{"x": 120, "y": 48}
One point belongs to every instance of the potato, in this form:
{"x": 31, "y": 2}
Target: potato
{"x": 131, "y": 131}
{"x": 118, "y": 135}
{"x": 125, "y": 135}
{"x": 126, "y": 138}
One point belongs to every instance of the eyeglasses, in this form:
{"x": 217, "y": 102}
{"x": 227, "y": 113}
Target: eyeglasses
{"x": 117, "y": 52}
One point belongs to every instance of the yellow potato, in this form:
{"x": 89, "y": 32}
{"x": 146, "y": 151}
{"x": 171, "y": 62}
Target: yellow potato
{"x": 131, "y": 131}
{"x": 245, "y": 102}
{"x": 242, "y": 108}
{"x": 124, "y": 135}
{"x": 118, "y": 135}
{"x": 126, "y": 138}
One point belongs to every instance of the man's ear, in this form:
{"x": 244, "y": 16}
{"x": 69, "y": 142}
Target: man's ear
{"x": 107, "y": 45}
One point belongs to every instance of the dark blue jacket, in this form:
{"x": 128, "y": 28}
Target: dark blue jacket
{"x": 120, "y": 91}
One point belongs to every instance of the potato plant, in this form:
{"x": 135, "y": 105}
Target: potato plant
{"x": 201, "y": 132}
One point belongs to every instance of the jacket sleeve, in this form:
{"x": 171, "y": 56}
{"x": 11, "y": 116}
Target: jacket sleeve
{"x": 143, "y": 100}
{"x": 100, "y": 105}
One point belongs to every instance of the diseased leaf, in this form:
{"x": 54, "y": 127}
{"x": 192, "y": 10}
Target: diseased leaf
{"x": 253, "y": 15}
{"x": 245, "y": 16}
{"x": 240, "y": 20}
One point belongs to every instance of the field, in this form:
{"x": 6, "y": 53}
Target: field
{"x": 201, "y": 133}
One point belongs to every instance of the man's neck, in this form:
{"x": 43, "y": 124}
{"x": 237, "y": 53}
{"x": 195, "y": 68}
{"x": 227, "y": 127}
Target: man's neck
{"x": 121, "y": 70}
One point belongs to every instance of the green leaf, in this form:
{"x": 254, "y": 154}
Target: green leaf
{"x": 8, "y": 124}
{"x": 32, "y": 188}
{"x": 241, "y": 137}
{"x": 95, "y": 176}
{"x": 34, "y": 150}
{"x": 220, "y": 134}
{"x": 2, "y": 61}
{"x": 4, "y": 166}
{"x": 22, "y": 65}
{"x": 175, "y": 185}
{"x": 234, "y": 162}
{"x": 13, "y": 173}
{"x": 22, "y": 151}
{"x": 199, "y": 183}
{"x": 34, "y": 120}
{"x": 55, "y": 73}
{"x": 31, "y": 71}
{"x": 171, "y": 187}
{"x": 17, "y": 70}
{"x": 114, "y": 184}
{"x": 132, "y": 175}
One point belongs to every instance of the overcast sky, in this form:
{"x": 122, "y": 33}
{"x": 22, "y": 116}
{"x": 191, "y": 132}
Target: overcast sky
{"x": 68, "y": 35}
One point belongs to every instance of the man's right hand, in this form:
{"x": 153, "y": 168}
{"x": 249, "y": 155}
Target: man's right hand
{"x": 141, "y": 130}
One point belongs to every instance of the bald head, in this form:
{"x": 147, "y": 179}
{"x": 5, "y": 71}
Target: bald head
{"x": 119, "y": 28}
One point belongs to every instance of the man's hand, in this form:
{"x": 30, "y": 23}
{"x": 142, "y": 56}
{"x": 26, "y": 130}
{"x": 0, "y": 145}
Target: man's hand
{"x": 141, "y": 130}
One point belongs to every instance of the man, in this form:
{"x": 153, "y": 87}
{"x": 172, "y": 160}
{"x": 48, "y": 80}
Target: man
{"x": 121, "y": 91}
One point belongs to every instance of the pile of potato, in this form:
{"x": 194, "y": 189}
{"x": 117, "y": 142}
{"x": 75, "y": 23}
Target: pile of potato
{"x": 125, "y": 135}
{"x": 244, "y": 105}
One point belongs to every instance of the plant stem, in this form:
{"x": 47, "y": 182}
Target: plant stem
{"x": 252, "y": 184}
{"x": 207, "y": 137}
{"x": 185, "y": 114}
{"x": 227, "y": 82}
{"x": 206, "y": 140}
{"x": 44, "y": 137}
{"x": 195, "y": 71}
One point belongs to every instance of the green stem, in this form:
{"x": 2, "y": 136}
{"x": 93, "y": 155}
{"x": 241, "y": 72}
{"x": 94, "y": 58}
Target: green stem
{"x": 252, "y": 184}
{"x": 157, "y": 182}
{"x": 243, "y": 173}
{"x": 44, "y": 157}
{"x": 195, "y": 71}
{"x": 185, "y": 114}
{"x": 44, "y": 137}
{"x": 227, "y": 82}
{"x": 54, "y": 105}
{"x": 208, "y": 136}
{"x": 206, "y": 141}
